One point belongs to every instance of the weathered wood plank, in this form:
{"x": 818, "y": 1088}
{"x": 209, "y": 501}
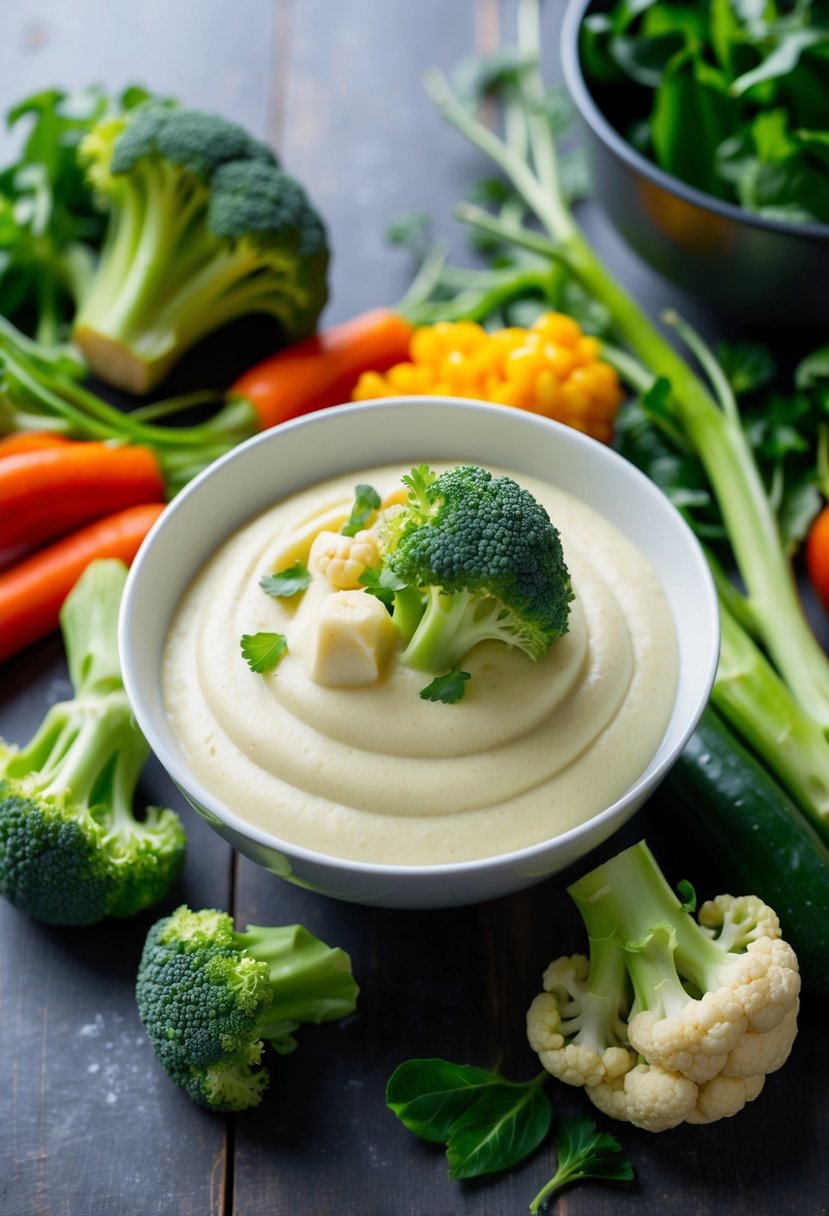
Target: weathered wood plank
{"x": 90, "y": 1122}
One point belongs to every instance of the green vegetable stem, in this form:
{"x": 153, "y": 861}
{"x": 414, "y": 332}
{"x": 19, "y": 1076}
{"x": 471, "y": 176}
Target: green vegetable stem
{"x": 71, "y": 850}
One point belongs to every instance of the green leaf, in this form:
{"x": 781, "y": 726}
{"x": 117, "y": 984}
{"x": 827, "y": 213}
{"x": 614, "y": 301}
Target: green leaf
{"x": 583, "y": 1152}
{"x": 382, "y": 583}
{"x": 263, "y": 651}
{"x": 747, "y": 365}
{"x": 692, "y": 96}
{"x": 447, "y": 688}
{"x": 782, "y": 60}
{"x": 813, "y": 369}
{"x": 687, "y": 895}
{"x": 503, "y": 1127}
{"x": 428, "y": 1095}
{"x": 366, "y": 502}
{"x": 287, "y": 582}
{"x": 644, "y": 59}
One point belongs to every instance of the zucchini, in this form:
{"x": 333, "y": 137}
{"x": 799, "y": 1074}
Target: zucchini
{"x": 758, "y": 837}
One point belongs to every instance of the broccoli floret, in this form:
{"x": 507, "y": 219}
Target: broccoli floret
{"x": 203, "y": 228}
{"x": 670, "y": 1019}
{"x": 486, "y": 562}
{"x": 208, "y": 996}
{"x": 71, "y": 850}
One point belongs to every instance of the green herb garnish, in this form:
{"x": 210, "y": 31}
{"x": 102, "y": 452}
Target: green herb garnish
{"x": 447, "y": 688}
{"x": 287, "y": 582}
{"x": 582, "y": 1152}
{"x": 263, "y": 651}
{"x": 366, "y": 502}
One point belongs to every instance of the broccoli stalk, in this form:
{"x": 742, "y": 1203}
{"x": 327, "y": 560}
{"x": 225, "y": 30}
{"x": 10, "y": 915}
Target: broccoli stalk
{"x": 71, "y": 850}
{"x": 485, "y": 561}
{"x": 527, "y": 158}
{"x": 203, "y": 228}
{"x": 208, "y": 996}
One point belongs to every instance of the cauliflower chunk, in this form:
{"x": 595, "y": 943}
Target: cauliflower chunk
{"x": 344, "y": 559}
{"x": 354, "y": 638}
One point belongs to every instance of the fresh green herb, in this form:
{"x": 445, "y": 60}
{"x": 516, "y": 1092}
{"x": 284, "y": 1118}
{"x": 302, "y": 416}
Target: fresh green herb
{"x": 263, "y": 651}
{"x": 583, "y": 1152}
{"x": 382, "y": 583}
{"x": 287, "y": 582}
{"x": 366, "y": 502}
{"x": 746, "y": 78}
{"x": 486, "y": 1122}
{"x": 447, "y": 688}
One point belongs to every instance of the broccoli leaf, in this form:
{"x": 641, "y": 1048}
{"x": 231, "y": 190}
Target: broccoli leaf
{"x": 287, "y": 582}
{"x": 447, "y": 688}
{"x": 263, "y": 651}
{"x": 366, "y": 502}
{"x": 583, "y": 1153}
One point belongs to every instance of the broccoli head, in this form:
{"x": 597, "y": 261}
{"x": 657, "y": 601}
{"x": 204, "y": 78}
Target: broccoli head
{"x": 71, "y": 850}
{"x": 486, "y": 562}
{"x": 203, "y": 228}
{"x": 208, "y": 996}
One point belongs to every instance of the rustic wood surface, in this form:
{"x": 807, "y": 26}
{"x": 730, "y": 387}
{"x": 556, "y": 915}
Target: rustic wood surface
{"x": 89, "y": 1125}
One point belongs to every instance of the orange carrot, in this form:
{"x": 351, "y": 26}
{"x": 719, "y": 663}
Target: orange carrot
{"x": 322, "y": 370}
{"x": 53, "y": 490}
{"x": 30, "y": 441}
{"x": 32, "y": 592}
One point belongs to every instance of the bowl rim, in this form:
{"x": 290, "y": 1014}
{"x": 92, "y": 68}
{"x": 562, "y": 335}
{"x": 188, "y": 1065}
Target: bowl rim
{"x": 596, "y": 828}
{"x": 587, "y": 106}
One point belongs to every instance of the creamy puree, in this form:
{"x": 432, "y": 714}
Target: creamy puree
{"x": 376, "y": 774}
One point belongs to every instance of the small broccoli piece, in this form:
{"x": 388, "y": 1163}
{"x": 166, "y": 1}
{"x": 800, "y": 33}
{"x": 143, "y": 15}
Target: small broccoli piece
{"x": 71, "y": 850}
{"x": 203, "y": 228}
{"x": 486, "y": 562}
{"x": 208, "y": 996}
{"x": 671, "y": 1019}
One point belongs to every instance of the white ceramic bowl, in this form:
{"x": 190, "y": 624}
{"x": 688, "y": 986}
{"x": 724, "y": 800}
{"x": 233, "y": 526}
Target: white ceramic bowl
{"x": 406, "y": 431}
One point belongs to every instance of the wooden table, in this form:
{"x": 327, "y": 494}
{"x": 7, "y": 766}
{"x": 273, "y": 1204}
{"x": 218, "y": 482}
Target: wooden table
{"x": 90, "y": 1125}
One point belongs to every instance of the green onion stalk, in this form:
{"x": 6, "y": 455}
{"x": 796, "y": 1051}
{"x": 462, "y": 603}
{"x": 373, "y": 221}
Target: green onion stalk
{"x": 706, "y": 415}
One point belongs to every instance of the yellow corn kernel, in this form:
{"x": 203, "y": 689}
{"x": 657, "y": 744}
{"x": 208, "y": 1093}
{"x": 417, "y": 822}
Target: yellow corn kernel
{"x": 551, "y": 368}
{"x": 559, "y": 328}
{"x": 426, "y": 346}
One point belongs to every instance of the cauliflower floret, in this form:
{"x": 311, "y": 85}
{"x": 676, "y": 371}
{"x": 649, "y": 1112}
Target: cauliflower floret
{"x": 669, "y": 1018}
{"x": 648, "y": 1096}
{"x": 736, "y": 920}
{"x": 575, "y": 1027}
{"x": 766, "y": 981}
{"x": 344, "y": 559}
{"x": 723, "y": 1097}
{"x": 696, "y": 1041}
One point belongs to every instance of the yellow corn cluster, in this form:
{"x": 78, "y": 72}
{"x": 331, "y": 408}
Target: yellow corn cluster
{"x": 552, "y": 368}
